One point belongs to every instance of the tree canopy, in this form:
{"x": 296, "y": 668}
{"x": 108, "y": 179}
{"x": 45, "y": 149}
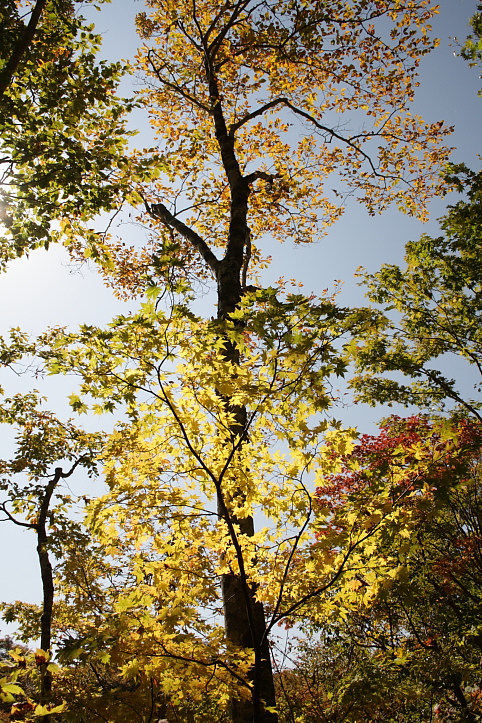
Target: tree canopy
{"x": 436, "y": 299}
{"x": 231, "y": 503}
{"x": 409, "y": 647}
{"x": 63, "y": 133}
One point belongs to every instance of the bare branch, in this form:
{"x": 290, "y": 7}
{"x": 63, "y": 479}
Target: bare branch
{"x": 334, "y": 134}
{"x": 326, "y": 129}
{"x": 259, "y": 111}
{"x": 289, "y": 561}
{"x": 174, "y": 87}
{"x": 64, "y": 475}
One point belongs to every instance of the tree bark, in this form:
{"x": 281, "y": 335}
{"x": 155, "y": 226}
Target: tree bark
{"x": 244, "y": 618}
{"x": 47, "y": 583}
{"x": 245, "y": 625}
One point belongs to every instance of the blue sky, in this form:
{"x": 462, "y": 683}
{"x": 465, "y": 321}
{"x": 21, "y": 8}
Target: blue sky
{"x": 44, "y": 290}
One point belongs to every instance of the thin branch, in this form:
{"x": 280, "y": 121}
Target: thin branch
{"x": 233, "y": 20}
{"x": 436, "y": 378}
{"x": 288, "y": 563}
{"x": 30, "y": 526}
{"x": 65, "y": 475}
{"x": 259, "y": 111}
{"x": 183, "y": 30}
{"x": 284, "y": 101}
{"x": 204, "y": 663}
{"x": 341, "y": 568}
{"x": 334, "y": 134}
{"x": 174, "y": 87}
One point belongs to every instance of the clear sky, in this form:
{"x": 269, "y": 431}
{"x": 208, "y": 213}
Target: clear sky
{"x": 44, "y": 290}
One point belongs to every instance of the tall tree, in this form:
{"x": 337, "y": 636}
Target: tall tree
{"x": 35, "y": 500}
{"x": 229, "y": 81}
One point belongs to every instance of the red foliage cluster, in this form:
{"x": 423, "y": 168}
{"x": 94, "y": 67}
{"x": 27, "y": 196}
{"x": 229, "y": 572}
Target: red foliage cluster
{"x": 409, "y": 453}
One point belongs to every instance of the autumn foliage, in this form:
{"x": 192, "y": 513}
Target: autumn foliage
{"x": 415, "y": 620}
{"x": 229, "y": 502}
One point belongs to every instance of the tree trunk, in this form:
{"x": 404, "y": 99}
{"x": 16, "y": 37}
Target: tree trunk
{"x": 47, "y": 584}
{"x": 239, "y": 632}
{"x": 244, "y": 618}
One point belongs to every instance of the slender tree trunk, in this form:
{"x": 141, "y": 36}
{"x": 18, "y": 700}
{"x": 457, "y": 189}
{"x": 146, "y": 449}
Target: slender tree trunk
{"x": 47, "y": 583}
{"x": 244, "y": 617}
{"x": 46, "y": 574}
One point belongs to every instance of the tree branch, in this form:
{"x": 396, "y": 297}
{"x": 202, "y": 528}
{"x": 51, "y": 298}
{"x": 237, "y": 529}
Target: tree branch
{"x": 284, "y": 101}
{"x": 334, "y": 134}
{"x": 29, "y": 525}
{"x": 19, "y": 50}
{"x": 159, "y": 211}
{"x": 175, "y": 88}
{"x": 257, "y": 175}
{"x": 259, "y": 111}
{"x": 233, "y": 20}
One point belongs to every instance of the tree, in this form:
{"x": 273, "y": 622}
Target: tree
{"x": 417, "y": 625}
{"x": 431, "y": 309}
{"x": 35, "y": 502}
{"x": 436, "y": 301}
{"x": 472, "y": 48}
{"x": 203, "y": 444}
{"x": 62, "y": 129}
{"x": 333, "y": 677}
{"x": 414, "y": 626}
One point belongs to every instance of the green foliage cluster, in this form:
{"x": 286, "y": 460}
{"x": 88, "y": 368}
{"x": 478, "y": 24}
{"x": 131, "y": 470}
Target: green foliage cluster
{"x": 472, "y": 49}
{"x": 430, "y": 313}
{"x": 62, "y": 129}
